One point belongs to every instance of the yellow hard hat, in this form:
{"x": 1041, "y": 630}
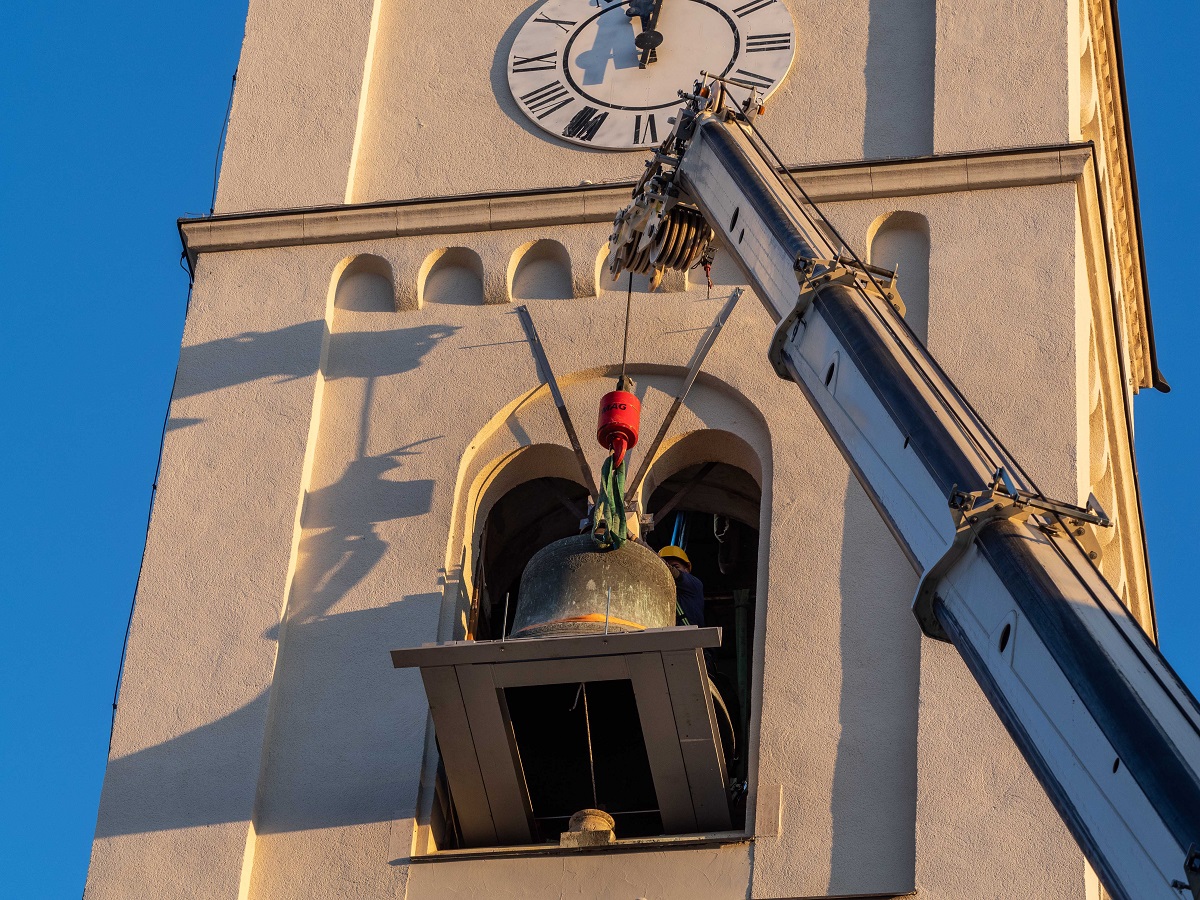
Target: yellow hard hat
{"x": 676, "y": 553}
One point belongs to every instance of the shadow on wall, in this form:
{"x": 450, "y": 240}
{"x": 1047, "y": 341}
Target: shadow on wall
{"x": 874, "y": 802}
{"x": 293, "y": 352}
{"x": 349, "y": 705}
{"x": 334, "y": 681}
{"x": 341, "y": 544}
{"x": 205, "y": 776}
{"x": 899, "y": 73}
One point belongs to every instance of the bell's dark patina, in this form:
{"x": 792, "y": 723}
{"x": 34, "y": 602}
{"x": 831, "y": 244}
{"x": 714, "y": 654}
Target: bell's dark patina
{"x": 564, "y": 590}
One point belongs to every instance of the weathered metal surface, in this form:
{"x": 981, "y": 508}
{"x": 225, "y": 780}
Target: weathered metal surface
{"x": 565, "y": 590}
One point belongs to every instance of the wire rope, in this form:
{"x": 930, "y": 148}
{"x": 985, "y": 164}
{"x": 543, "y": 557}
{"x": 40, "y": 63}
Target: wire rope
{"x": 625, "y": 340}
{"x": 989, "y": 454}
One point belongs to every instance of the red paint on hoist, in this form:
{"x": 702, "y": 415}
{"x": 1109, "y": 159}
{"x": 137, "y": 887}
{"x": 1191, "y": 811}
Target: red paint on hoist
{"x": 617, "y": 429}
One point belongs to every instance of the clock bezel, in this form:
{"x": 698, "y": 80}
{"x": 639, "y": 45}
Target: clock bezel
{"x": 550, "y": 97}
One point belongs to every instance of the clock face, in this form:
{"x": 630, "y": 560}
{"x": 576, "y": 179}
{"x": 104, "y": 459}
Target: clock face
{"x": 576, "y": 68}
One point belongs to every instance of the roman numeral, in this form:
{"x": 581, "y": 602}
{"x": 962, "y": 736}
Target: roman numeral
{"x": 651, "y": 129}
{"x": 752, "y": 7}
{"x": 759, "y": 43}
{"x": 585, "y": 124}
{"x": 535, "y": 63}
{"x": 759, "y": 81}
{"x": 566, "y": 25}
{"x": 547, "y": 99}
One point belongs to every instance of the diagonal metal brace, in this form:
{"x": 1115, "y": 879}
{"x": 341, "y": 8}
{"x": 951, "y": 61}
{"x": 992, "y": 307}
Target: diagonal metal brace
{"x": 547, "y": 376}
{"x": 698, "y": 357}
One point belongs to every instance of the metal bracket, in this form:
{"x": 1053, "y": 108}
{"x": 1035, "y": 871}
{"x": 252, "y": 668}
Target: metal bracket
{"x": 1191, "y": 866}
{"x": 813, "y": 275}
{"x": 975, "y": 510}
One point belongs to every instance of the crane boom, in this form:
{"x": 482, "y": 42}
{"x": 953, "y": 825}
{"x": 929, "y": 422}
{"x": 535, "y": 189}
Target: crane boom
{"x": 1107, "y": 727}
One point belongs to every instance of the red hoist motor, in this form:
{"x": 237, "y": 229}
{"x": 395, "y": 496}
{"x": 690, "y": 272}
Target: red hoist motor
{"x": 617, "y": 429}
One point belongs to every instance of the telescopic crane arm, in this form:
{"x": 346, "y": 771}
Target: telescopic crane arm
{"x": 1107, "y": 727}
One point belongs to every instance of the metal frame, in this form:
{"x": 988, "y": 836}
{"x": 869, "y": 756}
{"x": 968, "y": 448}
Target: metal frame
{"x": 465, "y": 682}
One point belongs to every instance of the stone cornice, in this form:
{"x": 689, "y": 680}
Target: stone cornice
{"x": 599, "y": 203}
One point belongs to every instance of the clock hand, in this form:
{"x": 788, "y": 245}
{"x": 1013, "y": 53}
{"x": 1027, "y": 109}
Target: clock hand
{"x": 649, "y": 38}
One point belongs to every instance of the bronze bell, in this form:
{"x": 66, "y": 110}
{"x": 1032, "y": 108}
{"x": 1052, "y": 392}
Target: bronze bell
{"x": 564, "y": 590}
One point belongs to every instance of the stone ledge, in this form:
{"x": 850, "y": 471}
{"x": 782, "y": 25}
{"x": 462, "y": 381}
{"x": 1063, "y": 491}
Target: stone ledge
{"x": 983, "y": 170}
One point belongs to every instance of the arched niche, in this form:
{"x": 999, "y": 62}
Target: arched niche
{"x": 605, "y": 283}
{"x": 452, "y": 275}
{"x": 540, "y": 270}
{"x": 365, "y": 283}
{"x": 900, "y": 240}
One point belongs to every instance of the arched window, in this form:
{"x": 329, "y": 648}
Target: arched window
{"x": 452, "y": 275}
{"x": 522, "y": 522}
{"x": 557, "y": 724}
{"x": 708, "y": 502}
{"x": 366, "y": 284}
{"x": 900, "y": 240}
{"x": 540, "y": 270}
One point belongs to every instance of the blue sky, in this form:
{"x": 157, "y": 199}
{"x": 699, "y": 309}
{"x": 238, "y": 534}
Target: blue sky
{"x": 111, "y": 117}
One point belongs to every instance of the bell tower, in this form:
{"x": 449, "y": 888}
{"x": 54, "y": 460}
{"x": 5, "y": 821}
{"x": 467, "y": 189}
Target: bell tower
{"x": 398, "y": 305}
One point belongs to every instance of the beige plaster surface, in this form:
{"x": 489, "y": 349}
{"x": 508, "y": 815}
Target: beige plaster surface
{"x": 1003, "y": 74}
{"x": 878, "y": 764}
{"x": 435, "y": 117}
{"x": 717, "y": 873}
{"x": 293, "y": 127}
{"x": 180, "y": 788}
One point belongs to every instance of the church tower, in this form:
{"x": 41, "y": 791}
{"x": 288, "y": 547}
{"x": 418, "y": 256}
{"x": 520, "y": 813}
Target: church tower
{"x": 364, "y": 453}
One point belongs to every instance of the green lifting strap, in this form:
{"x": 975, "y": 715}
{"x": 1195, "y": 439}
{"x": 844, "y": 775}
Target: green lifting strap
{"x": 609, "y": 529}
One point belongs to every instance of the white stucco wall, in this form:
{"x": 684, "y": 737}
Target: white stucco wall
{"x": 319, "y": 119}
{"x": 878, "y": 765}
{"x": 323, "y": 465}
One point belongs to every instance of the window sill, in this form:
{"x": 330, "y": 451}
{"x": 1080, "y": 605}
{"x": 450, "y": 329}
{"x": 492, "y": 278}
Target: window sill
{"x": 633, "y": 845}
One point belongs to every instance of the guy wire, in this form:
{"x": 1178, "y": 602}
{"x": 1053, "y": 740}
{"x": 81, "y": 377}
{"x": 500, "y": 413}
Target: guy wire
{"x": 625, "y": 342}
{"x": 1010, "y": 460}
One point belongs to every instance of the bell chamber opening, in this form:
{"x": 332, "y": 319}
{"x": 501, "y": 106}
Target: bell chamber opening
{"x": 588, "y": 697}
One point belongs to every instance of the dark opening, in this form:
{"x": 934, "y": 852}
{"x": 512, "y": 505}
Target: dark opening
{"x": 522, "y": 522}
{"x": 552, "y": 724}
{"x": 715, "y": 521}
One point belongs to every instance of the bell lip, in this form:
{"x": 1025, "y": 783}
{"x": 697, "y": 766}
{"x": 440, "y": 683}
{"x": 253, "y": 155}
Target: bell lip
{"x": 588, "y": 619}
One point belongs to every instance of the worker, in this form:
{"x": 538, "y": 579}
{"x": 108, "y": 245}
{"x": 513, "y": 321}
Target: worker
{"x": 689, "y": 590}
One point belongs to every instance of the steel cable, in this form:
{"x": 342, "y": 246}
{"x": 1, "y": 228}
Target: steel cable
{"x": 938, "y": 389}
